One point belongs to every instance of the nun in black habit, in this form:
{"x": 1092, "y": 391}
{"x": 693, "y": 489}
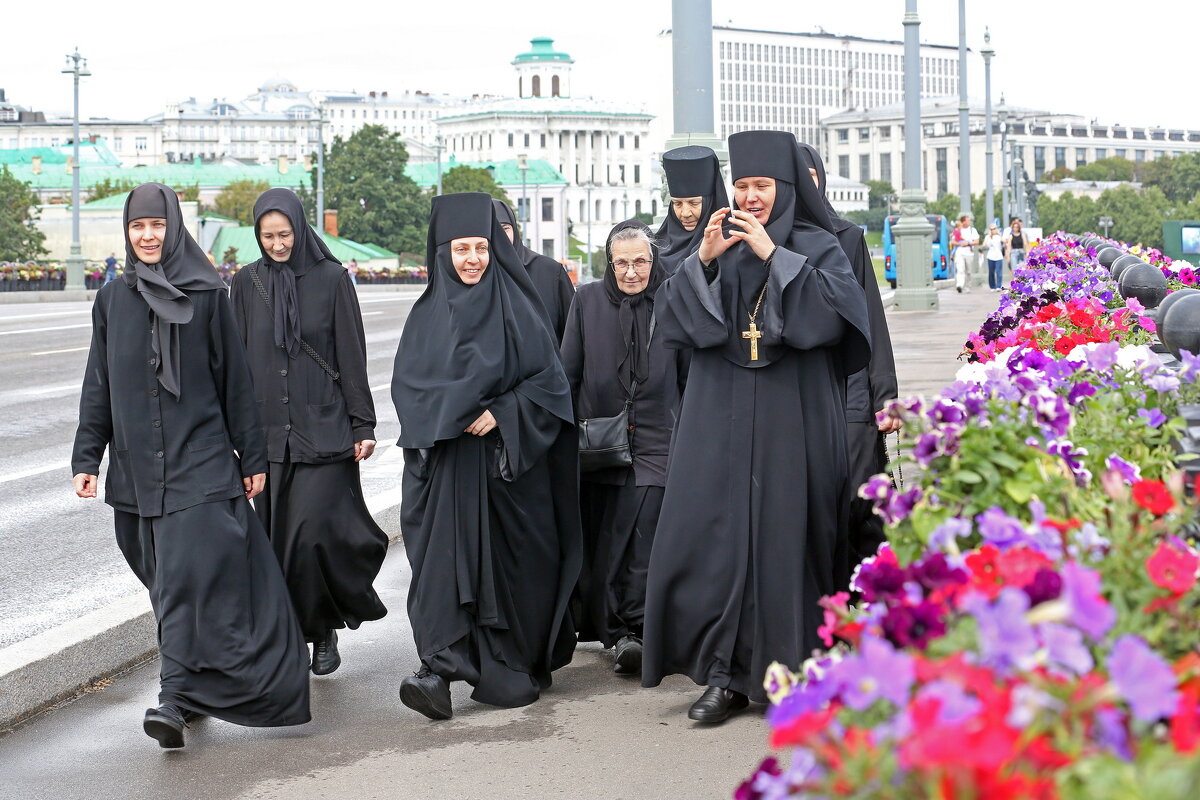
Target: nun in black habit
{"x": 484, "y": 406}
{"x": 319, "y": 420}
{"x": 753, "y": 523}
{"x": 168, "y": 393}
{"x": 614, "y": 355}
{"x": 697, "y": 190}
{"x": 868, "y": 390}
{"x": 554, "y": 288}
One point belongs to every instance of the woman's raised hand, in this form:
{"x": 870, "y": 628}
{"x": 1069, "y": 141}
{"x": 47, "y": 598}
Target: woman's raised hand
{"x": 715, "y": 242}
{"x": 752, "y": 233}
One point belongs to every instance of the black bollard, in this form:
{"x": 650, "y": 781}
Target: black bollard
{"x": 1145, "y": 282}
{"x": 1179, "y": 328}
{"x": 1108, "y": 255}
{"x": 1123, "y": 263}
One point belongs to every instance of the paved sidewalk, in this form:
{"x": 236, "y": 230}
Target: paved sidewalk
{"x": 592, "y": 735}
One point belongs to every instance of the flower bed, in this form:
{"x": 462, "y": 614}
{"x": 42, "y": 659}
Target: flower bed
{"x": 1031, "y": 631}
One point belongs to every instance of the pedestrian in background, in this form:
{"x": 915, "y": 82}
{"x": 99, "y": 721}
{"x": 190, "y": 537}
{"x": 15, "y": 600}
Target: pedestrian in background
{"x": 352, "y": 269}
{"x": 1016, "y": 244}
{"x": 964, "y": 239}
{"x": 167, "y": 391}
{"x": 110, "y": 268}
{"x": 993, "y": 251}
{"x": 299, "y": 320}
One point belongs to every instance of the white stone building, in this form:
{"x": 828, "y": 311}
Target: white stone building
{"x": 135, "y": 142}
{"x": 602, "y": 149}
{"x": 869, "y": 145}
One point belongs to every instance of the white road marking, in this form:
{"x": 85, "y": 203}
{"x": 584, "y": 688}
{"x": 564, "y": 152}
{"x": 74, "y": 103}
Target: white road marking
{"x": 29, "y": 473}
{"x": 62, "y": 387}
{"x": 46, "y": 314}
{"x": 42, "y": 330}
{"x": 371, "y": 313}
{"x": 396, "y": 297}
{"x": 53, "y": 352}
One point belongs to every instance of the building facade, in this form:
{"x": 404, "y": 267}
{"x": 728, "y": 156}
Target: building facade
{"x": 869, "y": 145}
{"x": 603, "y": 150}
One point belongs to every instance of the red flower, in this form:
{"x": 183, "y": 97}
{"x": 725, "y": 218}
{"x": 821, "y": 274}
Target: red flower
{"x": 1017, "y": 566}
{"x": 1153, "y": 496}
{"x": 985, "y": 571}
{"x": 1049, "y": 312}
{"x": 1082, "y": 318}
{"x": 1185, "y": 725}
{"x": 1173, "y": 568}
{"x": 1064, "y": 345}
{"x": 799, "y": 730}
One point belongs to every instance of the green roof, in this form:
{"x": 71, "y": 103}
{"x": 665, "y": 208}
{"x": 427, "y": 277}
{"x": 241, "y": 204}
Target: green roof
{"x": 504, "y": 173}
{"x": 206, "y": 175}
{"x": 542, "y": 49}
{"x": 112, "y": 201}
{"x": 242, "y": 237}
{"x": 90, "y": 154}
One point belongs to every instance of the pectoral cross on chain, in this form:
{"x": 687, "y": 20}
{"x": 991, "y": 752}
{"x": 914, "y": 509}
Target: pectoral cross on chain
{"x": 754, "y": 334}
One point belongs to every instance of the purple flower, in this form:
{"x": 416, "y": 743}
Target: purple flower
{"x": 876, "y": 671}
{"x": 1006, "y": 638}
{"x": 1163, "y": 383}
{"x": 1088, "y": 542}
{"x": 812, "y": 695}
{"x": 1051, "y": 411}
{"x": 1130, "y": 472}
{"x": 999, "y": 528}
{"x": 1153, "y": 416}
{"x": 935, "y": 571}
{"x": 1191, "y": 366}
{"x": 880, "y": 581}
{"x": 1086, "y": 609}
{"x": 1073, "y": 456}
{"x": 914, "y": 626}
{"x": 877, "y": 488}
{"x": 1045, "y": 586}
{"x": 1103, "y": 356}
{"x": 1079, "y": 391}
{"x": 1065, "y": 648}
{"x": 927, "y": 448}
{"x": 1143, "y": 678}
{"x": 949, "y": 532}
{"x": 1110, "y": 731}
{"x": 899, "y": 506}
{"x": 956, "y": 704}
{"x": 947, "y": 411}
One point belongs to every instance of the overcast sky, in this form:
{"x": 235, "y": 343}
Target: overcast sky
{"x": 1135, "y": 69}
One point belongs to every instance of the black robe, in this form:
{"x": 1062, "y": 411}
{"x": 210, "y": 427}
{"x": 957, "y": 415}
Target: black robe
{"x": 313, "y": 507}
{"x": 229, "y": 641}
{"x": 620, "y": 507}
{"x": 753, "y": 523}
{"x": 490, "y": 530}
{"x": 551, "y": 282}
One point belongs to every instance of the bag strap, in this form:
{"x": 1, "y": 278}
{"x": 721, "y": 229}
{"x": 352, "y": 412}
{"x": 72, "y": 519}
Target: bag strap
{"x": 333, "y": 374}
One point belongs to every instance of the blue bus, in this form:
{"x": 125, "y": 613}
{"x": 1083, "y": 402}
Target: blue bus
{"x": 939, "y": 251}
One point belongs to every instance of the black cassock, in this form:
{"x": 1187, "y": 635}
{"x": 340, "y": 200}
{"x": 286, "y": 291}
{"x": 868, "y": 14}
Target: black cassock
{"x": 550, "y": 280}
{"x": 753, "y": 526}
{"x": 867, "y": 390}
{"x": 229, "y": 642}
{"x": 494, "y": 557}
{"x": 313, "y": 506}
{"x": 692, "y": 171}
{"x": 612, "y": 354}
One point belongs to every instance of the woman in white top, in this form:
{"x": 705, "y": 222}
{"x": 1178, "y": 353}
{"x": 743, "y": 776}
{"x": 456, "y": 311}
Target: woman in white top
{"x": 993, "y": 245}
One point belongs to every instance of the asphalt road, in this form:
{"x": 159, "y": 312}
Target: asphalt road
{"x": 59, "y": 556}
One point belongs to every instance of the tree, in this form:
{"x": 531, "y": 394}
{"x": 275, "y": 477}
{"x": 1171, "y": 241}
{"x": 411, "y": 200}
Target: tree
{"x": 20, "y": 239}
{"x": 1057, "y": 175}
{"x": 237, "y": 199}
{"x": 472, "y": 179}
{"x": 376, "y": 201}
{"x": 878, "y": 190}
{"x": 230, "y": 256}
{"x": 1178, "y": 178}
{"x": 107, "y": 187}
{"x": 946, "y": 205}
{"x": 188, "y": 194}
{"x": 1113, "y": 168}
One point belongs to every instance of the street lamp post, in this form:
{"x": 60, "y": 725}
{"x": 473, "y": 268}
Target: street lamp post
{"x": 321, "y": 169}
{"x": 987, "y": 53}
{"x": 964, "y": 116}
{"x": 1018, "y": 183}
{"x": 625, "y": 197}
{"x": 1106, "y": 223}
{"x": 1005, "y": 211}
{"x": 588, "y": 187}
{"x": 523, "y": 165}
{"x": 692, "y": 76}
{"x": 914, "y": 277}
{"x": 439, "y": 144}
{"x": 77, "y": 67}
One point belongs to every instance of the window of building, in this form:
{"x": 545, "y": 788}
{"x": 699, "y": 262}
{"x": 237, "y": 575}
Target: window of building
{"x": 843, "y": 134}
{"x": 637, "y": 207}
{"x": 117, "y": 143}
{"x": 1119, "y": 152}
{"x": 543, "y": 140}
{"x": 885, "y": 167}
{"x": 885, "y": 132}
{"x": 864, "y": 168}
{"x": 537, "y": 85}
{"x": 612, "y": 214}
{"x": 621, "y": 142}
{"x": 843, "y": 165}
{"x": 1101, "y": 152}
{"x": 943, "y": 177}
{"x": 1139, "y": 155}
{"x": 548, "y": 248}
{"x": 527, "y": 140}
{"x": 1080, "y": 157}
{"x": 637, "y": 142}
{"x": 637, "y": 173}
{"x": 1060, "y": 157}
{"x": 555, "y": 87}
{"x": 864, "y": 134}
{"x": 547, "y": 209}
{"x": 1039, "y": 161}
{"x": 139, "y": 143}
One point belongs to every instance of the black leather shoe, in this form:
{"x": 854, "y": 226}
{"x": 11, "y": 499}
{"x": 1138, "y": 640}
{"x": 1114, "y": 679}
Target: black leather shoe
{"x": 325, "y": 654}
{"x": 427, "y": 694}
{"x": 165, "y": 724}
{"x": 716, "y": 704}
{"x": 629, "y": 656}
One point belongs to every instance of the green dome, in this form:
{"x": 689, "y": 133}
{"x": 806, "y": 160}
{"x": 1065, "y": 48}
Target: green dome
{"x": 542, "y": 49}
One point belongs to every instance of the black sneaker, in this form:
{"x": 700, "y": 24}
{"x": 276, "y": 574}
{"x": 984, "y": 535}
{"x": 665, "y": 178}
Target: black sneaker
{"x": 629, "y": 656}
{"x": 165, "y": 724}
{"x": 427, "y": 693}
{"x": 326, "y": 658}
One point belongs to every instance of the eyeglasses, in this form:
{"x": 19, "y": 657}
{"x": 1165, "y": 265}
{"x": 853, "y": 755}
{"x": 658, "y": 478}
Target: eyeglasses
{"x": 639, "y": 265}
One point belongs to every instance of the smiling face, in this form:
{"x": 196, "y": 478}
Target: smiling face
{"x": 687, "y": 211}
{"x": 755, "y": 195}
{"x": 470, "y": 258}
{"x": 631, "y": 261}
{"x": 276, "y": 236}
{"x": 146, "y": 235}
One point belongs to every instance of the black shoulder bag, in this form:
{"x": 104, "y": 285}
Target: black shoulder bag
{"x": 333, "y": 374}
{"x": 604, "y": 442}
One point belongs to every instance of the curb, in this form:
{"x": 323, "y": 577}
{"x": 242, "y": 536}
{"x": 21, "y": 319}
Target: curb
{"x": 57, "y": 664}
{"x": 60, "y": 296}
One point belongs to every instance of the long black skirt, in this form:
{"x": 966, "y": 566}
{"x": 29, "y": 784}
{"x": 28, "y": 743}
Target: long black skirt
{"x": 229, "y": 642}
{"x": 868, "y": 457}
{"x": 618, "y": 533}
{"x": 326, "y": 541}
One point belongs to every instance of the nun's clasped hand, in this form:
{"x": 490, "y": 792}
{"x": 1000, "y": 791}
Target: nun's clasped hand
{"x": 714, "y": 244}
{"x": 752, "y": 232}
{"x": 484, "y": 425}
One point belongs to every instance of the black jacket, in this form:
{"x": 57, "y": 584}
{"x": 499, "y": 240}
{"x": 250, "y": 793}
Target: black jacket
{"x": 167, "y": 454}
{"x": 304, "y": 412}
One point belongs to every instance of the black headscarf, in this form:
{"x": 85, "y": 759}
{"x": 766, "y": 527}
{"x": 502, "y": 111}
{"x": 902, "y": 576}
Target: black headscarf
{"x": 633, "y": 310}
{"x": 505, "y": 214}
{"x": 183, "y": 267}
{"x": 308, "y": 249}
{"x": 809, "y": 157}
{"x": 463, "y": 346}
{"x": 692, "y": 171}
